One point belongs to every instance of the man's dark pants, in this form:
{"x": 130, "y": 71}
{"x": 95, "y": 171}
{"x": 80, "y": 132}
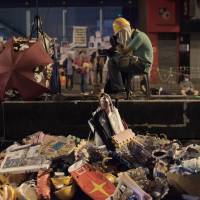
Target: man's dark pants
{"x": 120, "y": 77}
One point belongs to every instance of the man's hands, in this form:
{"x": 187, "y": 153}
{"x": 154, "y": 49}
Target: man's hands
{"x": 122, "y": 49}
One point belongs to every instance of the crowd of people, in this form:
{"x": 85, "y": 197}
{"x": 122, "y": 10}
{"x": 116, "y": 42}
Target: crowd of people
{"x": 89, "y": 68}
{"x": 131, "y": 54}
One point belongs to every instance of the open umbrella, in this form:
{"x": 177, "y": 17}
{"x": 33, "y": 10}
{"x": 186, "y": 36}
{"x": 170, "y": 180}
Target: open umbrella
{"x": 17, "y": 70}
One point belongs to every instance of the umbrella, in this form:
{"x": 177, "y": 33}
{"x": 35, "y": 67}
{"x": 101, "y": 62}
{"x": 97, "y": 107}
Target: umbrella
{"x": 17, "y": 70}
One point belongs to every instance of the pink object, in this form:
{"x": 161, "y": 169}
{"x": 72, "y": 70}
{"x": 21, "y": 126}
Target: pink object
{"x": 17, "y": 69}
{"x": 39, "y": 138}
{"x": 43, "y": 185}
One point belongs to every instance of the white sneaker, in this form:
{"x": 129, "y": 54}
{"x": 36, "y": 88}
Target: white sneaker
{"x": 86, "y": 93}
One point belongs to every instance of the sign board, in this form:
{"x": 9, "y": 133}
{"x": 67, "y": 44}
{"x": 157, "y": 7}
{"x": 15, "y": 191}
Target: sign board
{"x": 80, "y": 36}
{"x": 162, "y": 16}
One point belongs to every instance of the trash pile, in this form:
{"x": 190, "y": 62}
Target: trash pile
{"x": 114, "y": 164}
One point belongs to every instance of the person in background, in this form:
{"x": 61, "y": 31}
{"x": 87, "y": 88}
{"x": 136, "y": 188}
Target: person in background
{"x": 93, "y": 61}
{"x": 82, "y": 66}
{"x": 111, "y": 53}
{"x": 69, "y": 71}
{"x": 99, "y": 69}
{"x": 2, "y": 46}
{"x": 55, "y": 82}
{"x": 187, "y": 87}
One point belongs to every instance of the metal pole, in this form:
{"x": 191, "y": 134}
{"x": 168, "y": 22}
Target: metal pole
{"x": 37, "y": 19}
{"x": 28, "y": 22}
{"x": 101, "y": 20}
{"x": 64, "y": 23}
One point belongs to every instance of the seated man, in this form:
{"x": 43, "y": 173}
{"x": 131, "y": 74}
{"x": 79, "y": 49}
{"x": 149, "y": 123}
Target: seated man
{"x": 187, "y": 88}
{"x": 134, "y": 47}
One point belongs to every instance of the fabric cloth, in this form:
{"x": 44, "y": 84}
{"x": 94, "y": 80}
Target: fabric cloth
{"x": 142, "y": 47}
{"x": 80, "y": 62}
{"x": 83, "y": 83}
{"x": 99, "y": 69}
{"x": 70, "y": 79}
{"x": 114, "y": 75}
{"x": 187, "y": 88}
{"x": 83, "y": 71}
{"x": 69, "y": 67}
{"x": 186, "y": 85}
{"x": 115, "y": 121}
{"x": 55, "y": 84}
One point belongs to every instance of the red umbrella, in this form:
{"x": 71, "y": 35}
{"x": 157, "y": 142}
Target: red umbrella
{"x": 17, "y": 70}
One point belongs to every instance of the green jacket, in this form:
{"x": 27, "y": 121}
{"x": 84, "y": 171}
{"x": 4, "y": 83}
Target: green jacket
{"x": 142, "y": 47}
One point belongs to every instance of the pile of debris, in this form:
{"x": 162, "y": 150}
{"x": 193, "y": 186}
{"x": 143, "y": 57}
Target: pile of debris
{"x": 116, "y": 164}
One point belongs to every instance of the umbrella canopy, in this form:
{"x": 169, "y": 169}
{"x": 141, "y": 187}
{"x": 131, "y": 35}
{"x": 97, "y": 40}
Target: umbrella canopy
{"x": 18, "y": 69}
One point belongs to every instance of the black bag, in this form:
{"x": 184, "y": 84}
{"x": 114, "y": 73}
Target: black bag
{"x": 125, "y": 62}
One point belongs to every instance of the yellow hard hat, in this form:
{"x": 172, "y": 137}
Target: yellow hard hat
{"x": 119, "y": 24}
